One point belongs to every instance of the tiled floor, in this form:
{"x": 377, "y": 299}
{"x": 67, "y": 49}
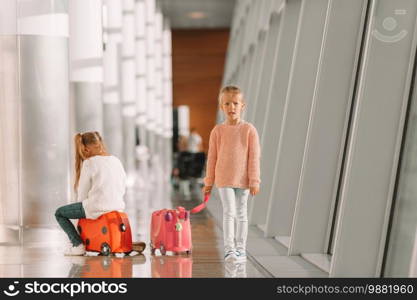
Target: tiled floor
{"x": 266, "y": 257}
{"x": 45, "y": 259}
{"x": 268, "y": 254}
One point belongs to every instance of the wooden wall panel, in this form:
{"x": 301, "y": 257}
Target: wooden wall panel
{"x": 198, "y": 58}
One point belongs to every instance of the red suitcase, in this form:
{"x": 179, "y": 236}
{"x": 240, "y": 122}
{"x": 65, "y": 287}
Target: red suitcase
{"x": 171, "y": 229}
{"x": 110, "y": 233}
{"x": 111, "y": 267}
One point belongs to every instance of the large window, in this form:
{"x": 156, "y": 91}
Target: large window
{"x": 404, "y": 211}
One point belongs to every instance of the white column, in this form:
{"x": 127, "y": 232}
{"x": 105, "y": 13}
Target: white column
{"x": 86, "y": 63}
{"x": 112, "y": 111}
{"x": 159, "y": 91}
{"x": 128, "y": 76}
{"x": 183, "y": 120}
{"x": 159, "y": 114}
{"x": 141, "y": 88}
{"x": 10, "y": 208}
{"x": 128, "y": 84}
{"x": 150, "y": 69}
{"x": 34, "y": 123}
{"x": 142, "y": 185}
{"x": 167, "y": 101}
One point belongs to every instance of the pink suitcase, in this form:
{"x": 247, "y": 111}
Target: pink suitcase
{"x": 172, "y": 267}
{"x": 171, "y": 229}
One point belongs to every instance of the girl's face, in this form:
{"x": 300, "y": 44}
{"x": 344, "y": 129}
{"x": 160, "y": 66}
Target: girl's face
{"x": 232, "y": 106}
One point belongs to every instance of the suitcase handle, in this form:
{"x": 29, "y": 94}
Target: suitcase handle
{"x": 201, "y": 206}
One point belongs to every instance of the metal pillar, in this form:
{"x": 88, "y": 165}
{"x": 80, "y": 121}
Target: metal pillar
{"x": 150, "y": 71}
{"x": 112, "y": 113}
{"x": 34, "y": 127}
{"x": 141, "y": 103}
{"x": 86, "y": 56}
{"x": 128, "y": 85}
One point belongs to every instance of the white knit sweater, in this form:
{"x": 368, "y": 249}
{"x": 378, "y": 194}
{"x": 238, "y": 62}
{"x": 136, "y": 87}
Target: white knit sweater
{"x": 102, "y": 185}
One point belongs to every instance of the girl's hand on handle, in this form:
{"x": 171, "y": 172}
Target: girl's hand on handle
{"x": 207, "y": 189}
{"x": 254, "y": 190}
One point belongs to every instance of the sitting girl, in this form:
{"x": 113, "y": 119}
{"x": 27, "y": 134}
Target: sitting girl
{"x": 100, "y": 184}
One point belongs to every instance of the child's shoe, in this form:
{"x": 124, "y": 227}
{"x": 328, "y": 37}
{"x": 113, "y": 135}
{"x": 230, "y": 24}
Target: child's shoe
{"x": 230, "y": 268}
{"x": 240, "y": 255}
{"x": 230, "y": 255}
{"x": 75, "y": 250}
{"x": 241, "y": 270}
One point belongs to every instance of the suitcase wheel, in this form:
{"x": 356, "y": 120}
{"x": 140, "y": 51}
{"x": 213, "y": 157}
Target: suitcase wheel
{"x": 105, "y": 249}
{"x": 87, "y": 242}
{"x": 106, "y": 264}
{"x": 152, "y": 249}
{"x": 79, "y": 229}
{"x": 104, "y": 229}
{"x": 188, "y": 252}
{"x": 122, "y": 227}
{"x": 162, "y": 249}
{"x": 168, "y": 216}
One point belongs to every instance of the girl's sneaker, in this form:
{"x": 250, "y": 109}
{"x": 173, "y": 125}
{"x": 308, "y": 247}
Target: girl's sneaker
{"x": 75, "y": 250}
{"x": 240, "y": 255}
{"x": 230, "y": 255}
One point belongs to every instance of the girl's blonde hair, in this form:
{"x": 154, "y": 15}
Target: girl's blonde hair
{"x": 80, "y": 141}
{"x": 230, "y": 89}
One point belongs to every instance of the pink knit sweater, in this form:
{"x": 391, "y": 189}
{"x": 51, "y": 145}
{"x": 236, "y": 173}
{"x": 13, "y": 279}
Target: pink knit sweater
{"x": 233, "y": 156}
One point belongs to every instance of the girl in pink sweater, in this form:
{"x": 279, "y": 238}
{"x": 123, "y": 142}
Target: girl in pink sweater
{"x": 233, "y": 166}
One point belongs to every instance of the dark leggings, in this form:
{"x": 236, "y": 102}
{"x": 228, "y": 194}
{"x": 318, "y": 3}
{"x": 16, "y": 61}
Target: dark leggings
{"x": 70, "y": 211}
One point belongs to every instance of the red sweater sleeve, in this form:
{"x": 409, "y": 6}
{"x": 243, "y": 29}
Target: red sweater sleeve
{"x": 211, "y": 159}
{"x": 253, "y": 159}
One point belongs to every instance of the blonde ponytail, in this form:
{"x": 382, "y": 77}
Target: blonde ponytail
{"x": 81, "y": 140}
{"x": 79, "y": 157}
{"x": 103, "y": 147}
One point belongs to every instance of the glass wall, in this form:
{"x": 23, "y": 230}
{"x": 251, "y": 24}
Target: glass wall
{"x": 404, "y": 211}
{"x": 332, "y": 129}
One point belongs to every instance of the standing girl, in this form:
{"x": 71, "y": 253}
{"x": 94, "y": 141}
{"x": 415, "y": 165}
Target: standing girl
{"x": 100, "y": 184}
{"x": 233, "y": 166}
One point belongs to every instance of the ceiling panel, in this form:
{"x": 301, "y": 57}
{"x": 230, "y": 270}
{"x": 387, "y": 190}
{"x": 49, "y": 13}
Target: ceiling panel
{"x": 213, "y": 13}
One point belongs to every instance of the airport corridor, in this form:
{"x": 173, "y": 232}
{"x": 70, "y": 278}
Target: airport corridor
{"x": 46, "y": 259}
{"x": 308, "y": 108}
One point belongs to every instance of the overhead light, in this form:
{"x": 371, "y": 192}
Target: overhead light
{"x": 197, "y": 15}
